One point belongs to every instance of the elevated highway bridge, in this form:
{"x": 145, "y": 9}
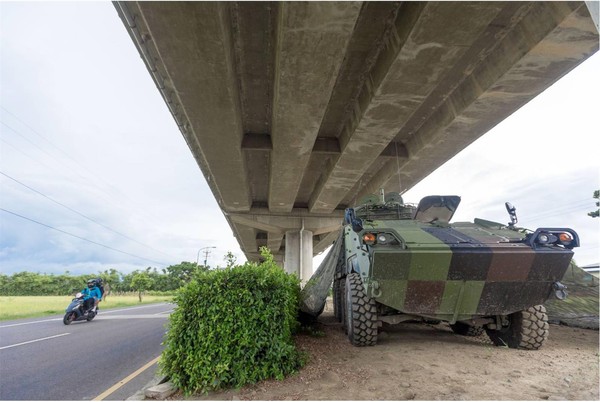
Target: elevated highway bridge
{"x": 293, "y": 110}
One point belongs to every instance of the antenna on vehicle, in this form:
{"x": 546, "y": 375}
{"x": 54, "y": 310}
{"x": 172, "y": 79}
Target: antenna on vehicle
{"x": 512, "y": 212}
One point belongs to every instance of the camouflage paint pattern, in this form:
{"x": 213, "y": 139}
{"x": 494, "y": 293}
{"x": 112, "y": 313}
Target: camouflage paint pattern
{"x": 455, "y": 273}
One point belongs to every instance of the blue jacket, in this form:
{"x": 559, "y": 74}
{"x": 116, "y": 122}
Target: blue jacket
{"x": 93, "y": 292}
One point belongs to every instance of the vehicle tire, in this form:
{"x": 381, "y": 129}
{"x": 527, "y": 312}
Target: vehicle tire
{"x": 527, "y": 329}
{"x": 463, "y": 329}
{"x": 361, "y": 313}
{"x": 343, "y": 303}
{"x": 69, "y": 318}
{"x": 91, "y": 316}
{"x": 337, "y": 300}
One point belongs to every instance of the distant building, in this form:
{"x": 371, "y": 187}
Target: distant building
{"x": 593, "y": 269}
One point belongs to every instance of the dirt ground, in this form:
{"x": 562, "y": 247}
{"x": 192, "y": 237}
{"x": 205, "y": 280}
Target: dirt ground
{"x": 430, "y": 362}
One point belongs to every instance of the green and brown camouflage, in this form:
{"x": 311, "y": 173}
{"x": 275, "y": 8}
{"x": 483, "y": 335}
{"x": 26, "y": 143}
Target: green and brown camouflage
{"x": 413, "y": 263}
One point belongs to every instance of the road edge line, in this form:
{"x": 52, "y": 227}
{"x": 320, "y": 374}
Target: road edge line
{"x": 125, "y": 380}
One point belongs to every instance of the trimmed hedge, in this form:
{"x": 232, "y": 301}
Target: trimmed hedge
{"x": 233, "y": 327}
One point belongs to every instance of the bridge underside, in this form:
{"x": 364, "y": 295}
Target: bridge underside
{"x": 294, "y": 110}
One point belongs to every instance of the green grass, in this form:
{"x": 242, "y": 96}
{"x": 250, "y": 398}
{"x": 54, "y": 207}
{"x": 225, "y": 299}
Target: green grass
{"x": 14, "y": 307}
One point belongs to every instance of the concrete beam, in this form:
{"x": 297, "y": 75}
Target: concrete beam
{"x": 281, "y": 224}
{"x": 194, "y": 61}
{"x": 274, "y": 242}
{"x": 324, "y": 242}
{"x": 311, "y": 44}
{"x": 404, "y": 75}
{"x": 526, "y": 60}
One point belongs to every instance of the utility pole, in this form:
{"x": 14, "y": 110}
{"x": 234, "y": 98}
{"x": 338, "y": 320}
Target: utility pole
{"x": 206, "y": 253}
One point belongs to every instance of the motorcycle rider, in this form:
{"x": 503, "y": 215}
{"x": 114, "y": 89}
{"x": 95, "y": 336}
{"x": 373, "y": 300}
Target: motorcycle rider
{"x": 91, "y": 295}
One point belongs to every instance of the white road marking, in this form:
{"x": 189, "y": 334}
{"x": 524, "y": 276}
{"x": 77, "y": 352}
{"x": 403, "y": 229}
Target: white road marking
{"x": 35, "y": 340}
{"x": 127, "y": 317}
{"x": 101, "y": 311}
{"x": 30, "y": 322}
{"x": 129, "y": 308}
{"x": 164, "y": 312}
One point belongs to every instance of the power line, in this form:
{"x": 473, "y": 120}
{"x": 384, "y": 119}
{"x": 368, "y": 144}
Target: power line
{"x": 84, "y": 216}
{"x": 23, "y": 153}
{"x": 81, "y": 238}
{"x": 67, "y": 155}
{"x": 559, "y": 211}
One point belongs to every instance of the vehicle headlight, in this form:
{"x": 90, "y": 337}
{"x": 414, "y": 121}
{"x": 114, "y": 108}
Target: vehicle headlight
{"x": 382, "y": 238}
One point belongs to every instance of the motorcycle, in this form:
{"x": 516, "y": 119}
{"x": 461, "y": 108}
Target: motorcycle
{"x": 76, "y": 312}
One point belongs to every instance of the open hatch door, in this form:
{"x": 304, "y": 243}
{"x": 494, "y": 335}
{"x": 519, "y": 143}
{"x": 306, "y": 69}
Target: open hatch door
{"x": 437, "y": 208}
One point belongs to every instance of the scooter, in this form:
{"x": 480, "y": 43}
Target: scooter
{"x": 76, "y": 312}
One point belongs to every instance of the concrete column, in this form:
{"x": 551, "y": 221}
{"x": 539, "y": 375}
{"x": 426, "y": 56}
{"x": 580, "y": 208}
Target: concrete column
{"x": 298, "y": 254}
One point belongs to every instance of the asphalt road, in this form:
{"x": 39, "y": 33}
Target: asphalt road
{"x": 43, "y": 359}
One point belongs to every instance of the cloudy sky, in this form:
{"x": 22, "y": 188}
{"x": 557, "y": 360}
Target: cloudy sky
{"x": 94, "y": 173}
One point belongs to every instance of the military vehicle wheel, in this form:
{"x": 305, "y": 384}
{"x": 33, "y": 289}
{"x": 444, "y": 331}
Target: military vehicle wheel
{"x": 343, "y": 304}
{"x": 527, "y": 329}
{"x": 361, "y": 313}
{"x": 337, "y": 300}
{"x": 463, "y": 329}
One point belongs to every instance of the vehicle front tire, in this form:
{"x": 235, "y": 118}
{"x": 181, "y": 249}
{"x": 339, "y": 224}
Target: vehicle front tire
{"x": 527, "y": 329}
{"x": 69, "y": 318}
{"x": 361, "y": 313}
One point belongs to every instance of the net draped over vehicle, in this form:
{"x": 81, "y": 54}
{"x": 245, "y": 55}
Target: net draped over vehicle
{"x": 314, "y": 293}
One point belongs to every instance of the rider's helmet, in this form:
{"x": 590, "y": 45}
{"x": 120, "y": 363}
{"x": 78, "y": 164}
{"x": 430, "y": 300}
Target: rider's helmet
{"x": 91, "y": 283}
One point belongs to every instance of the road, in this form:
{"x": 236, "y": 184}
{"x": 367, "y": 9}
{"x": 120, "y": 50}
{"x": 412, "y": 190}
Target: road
{"x": 43, "y": 359}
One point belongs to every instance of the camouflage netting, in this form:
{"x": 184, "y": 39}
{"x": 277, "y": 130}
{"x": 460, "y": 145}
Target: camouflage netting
{"x": 314, "y": 294}
{"x": 580, "y": 309}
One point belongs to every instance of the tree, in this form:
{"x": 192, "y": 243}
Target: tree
{"x": 230, "y": 259}
{"x": 109, "y": 278}
{"x": 184, "y": 272}
{"x": 141, "y": 282}
{"x": 594, "y": 214}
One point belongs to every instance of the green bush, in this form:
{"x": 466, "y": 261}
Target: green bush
{"x": 233, "y": 327}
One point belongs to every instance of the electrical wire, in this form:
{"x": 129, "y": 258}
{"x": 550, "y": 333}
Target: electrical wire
{"x": 82, "y": 238}
{"x": 84, "y": 216}
{"x": 153, "y": 218}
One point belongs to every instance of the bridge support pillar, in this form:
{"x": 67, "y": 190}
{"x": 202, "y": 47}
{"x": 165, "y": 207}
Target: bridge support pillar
{"x": 299, "y": 254}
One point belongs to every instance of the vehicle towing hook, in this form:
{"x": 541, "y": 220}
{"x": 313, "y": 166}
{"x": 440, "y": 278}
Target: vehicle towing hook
{"x": 560, "y": 290}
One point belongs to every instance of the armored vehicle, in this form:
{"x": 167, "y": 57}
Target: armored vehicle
{"x": 398, "y": 262}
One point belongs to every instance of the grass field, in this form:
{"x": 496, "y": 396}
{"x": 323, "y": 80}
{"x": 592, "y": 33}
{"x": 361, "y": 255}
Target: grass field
{"x": 14, "y": 307}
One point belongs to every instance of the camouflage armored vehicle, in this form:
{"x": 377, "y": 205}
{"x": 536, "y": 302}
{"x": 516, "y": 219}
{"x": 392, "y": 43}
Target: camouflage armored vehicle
{"x": 399, "y": 262}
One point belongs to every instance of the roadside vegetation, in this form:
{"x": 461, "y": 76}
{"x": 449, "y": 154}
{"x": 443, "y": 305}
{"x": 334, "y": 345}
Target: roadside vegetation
{"x": 15, "y": 307}
{"x": 29, "y": 294}
{"x": 233, "y": 327}
{"x": 150, "y": 279}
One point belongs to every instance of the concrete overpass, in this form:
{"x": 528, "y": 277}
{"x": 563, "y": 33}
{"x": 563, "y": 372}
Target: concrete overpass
{"x": 295, "y": 110}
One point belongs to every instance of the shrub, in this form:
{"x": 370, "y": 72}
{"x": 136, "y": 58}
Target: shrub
{"x": 233, "y": 327}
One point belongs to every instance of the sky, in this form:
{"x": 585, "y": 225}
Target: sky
{"x": 94, "y": 173}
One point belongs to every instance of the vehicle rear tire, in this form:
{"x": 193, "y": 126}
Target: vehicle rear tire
{"x": 361, "y": 313}
{"x": 91, "y": 316}
{"x": 527, "y": 329}
{"x": 69, "y": 318}
{"x": 463, "y": 329}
